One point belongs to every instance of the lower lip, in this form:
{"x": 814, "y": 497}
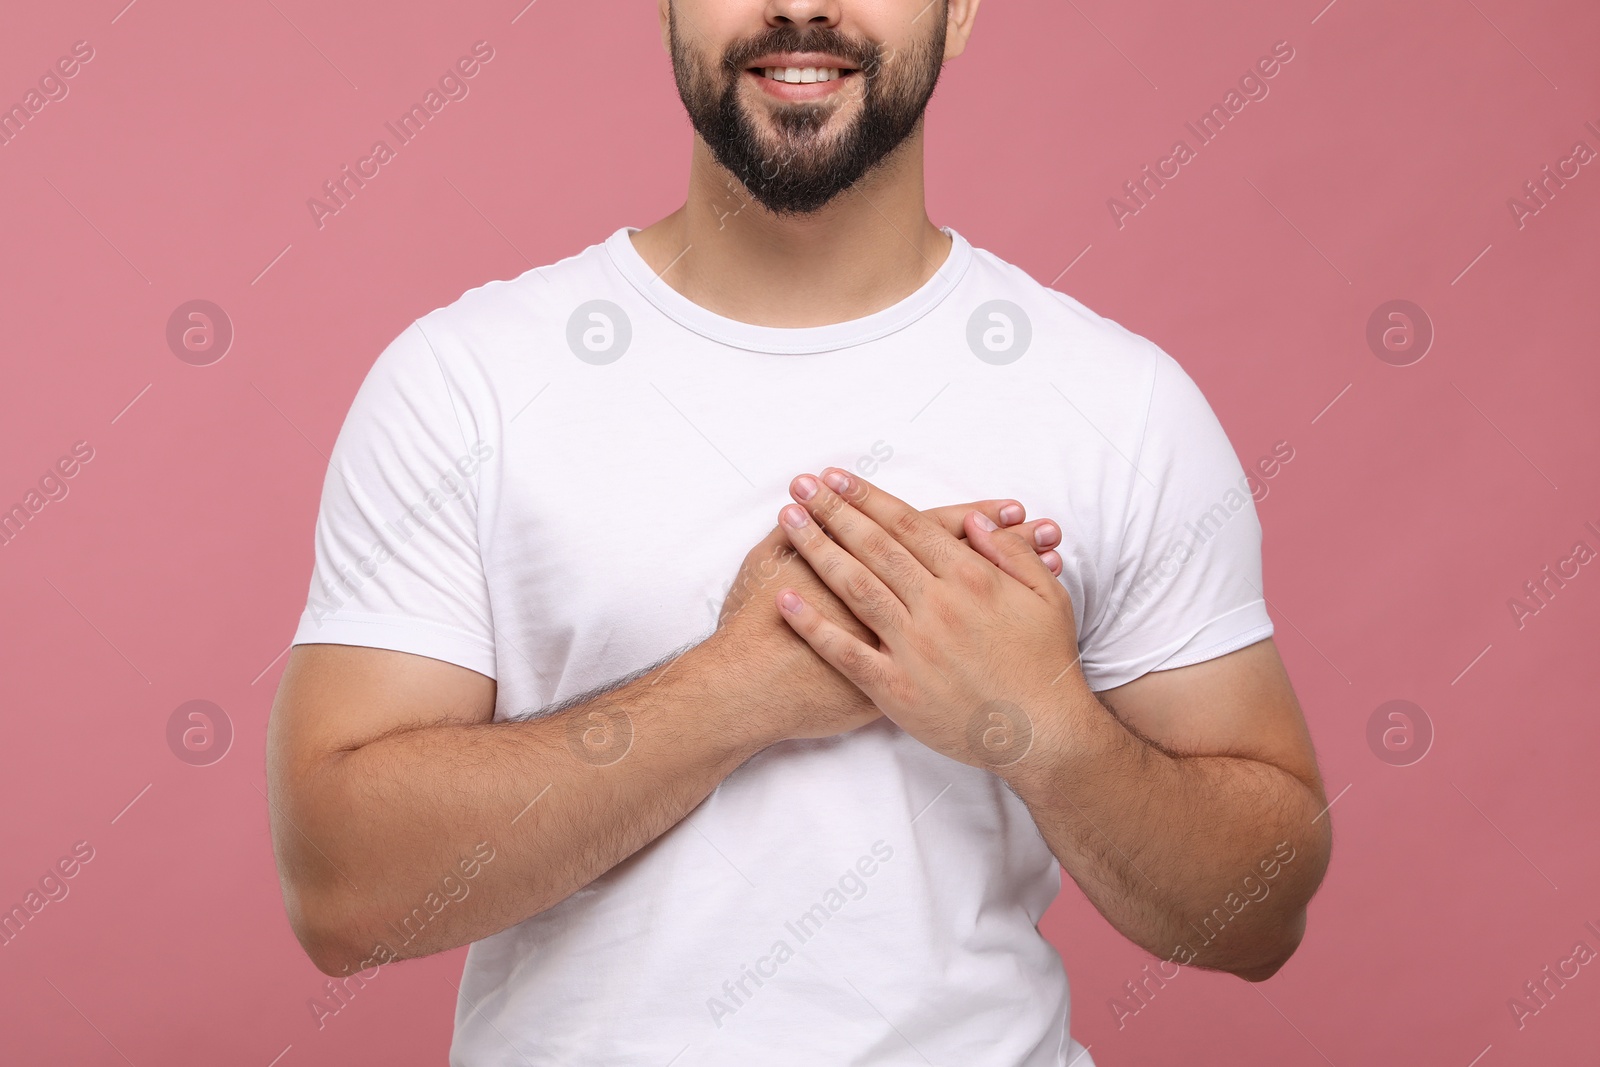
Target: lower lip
{"x": 801, "y": 90}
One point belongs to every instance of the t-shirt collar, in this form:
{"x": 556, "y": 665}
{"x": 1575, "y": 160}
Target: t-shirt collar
{"x": 780, "y": 339}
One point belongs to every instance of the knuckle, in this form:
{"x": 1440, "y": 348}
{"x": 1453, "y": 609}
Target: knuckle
{"x": 903, "y": 573}
{"x": 905, "y": 525}
{"x": 829, "y": 567}
{"x": 948, "y": 614}
{"x": 940, "y": 550}
{"x": 862, "y": 588}
{"x": 852, "y": 660}
{"x": 877, "y": 545}
{"x": 975, "y": 576}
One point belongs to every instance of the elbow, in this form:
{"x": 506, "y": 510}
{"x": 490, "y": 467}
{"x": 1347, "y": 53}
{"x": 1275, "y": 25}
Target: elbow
{"x": 333, "y": 957}
{"x": 1282, "y": 949}
{"x": 329, "y": 933}
{"x": 330, "y": 960}
{"x": 323, "y": 908}
{"x": 1257, "y": 974}
{"x": 317, "y": 933}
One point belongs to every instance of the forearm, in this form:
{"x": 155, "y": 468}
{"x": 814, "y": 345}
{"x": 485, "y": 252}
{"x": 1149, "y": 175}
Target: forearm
{"x": 377, "y": 830}
{"x": 1205, "y": 860}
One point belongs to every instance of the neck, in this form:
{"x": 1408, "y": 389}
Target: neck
{"x": 867, "y": 250}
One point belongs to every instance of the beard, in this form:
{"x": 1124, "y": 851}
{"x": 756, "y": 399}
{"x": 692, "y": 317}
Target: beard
{"x": 800, "y": 166}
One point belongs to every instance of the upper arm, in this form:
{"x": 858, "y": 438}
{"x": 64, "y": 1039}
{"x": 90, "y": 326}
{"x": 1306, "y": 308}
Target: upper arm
{"x": 336, "y": 698}
{"x": 1240, "y": 704}
{"x": 397, "y": 631}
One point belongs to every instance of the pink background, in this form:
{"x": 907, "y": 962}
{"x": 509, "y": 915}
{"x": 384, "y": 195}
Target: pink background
{"x": 1419, "y": 500}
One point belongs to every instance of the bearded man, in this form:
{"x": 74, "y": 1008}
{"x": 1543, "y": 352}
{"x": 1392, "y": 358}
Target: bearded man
{"x": 678, "y": 638}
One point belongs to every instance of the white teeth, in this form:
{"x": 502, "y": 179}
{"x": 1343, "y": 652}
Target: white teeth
{"x": 802, "y": 75}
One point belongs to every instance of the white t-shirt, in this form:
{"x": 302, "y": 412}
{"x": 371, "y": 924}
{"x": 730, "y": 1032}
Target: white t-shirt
{"x": 553, "y": 481}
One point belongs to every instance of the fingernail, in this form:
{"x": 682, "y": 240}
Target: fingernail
{"x": 790, "y": 602}
{"x": 1045, "y": 534}
{"x": 1011, "y": 514}
{"x": 836, "y": 481}
{"x": 805, "y": 487}
{"x": 983, "y": 521}
{"x": 795, "y": 515}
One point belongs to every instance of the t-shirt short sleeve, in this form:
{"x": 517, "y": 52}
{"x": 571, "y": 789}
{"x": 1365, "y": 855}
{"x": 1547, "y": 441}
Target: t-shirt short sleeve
{"x": 1187, "y": 583}
{"x": 398, "y": 564}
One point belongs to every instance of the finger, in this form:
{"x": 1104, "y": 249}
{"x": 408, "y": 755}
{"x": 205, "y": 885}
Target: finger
{"x": 881, "y": 552}
{"x": 930, "y": 542}
{"x": 903, "y": 546}
{"x": 1043, "y": 534}
{"x": 862, "y": 592}
{"x": 1008, "y": 513}
{"x": 775, "y": 571}
{"x": 1004, "y": 511}
{"x": 1011, "y": 554}
{"x": 860, "y": 663}
{"x": 1049, "y": 557}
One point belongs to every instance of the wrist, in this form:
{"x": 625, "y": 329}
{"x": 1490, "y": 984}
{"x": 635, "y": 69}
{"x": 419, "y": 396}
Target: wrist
{"x": 1074, "y": 737}
{"x": 740, "y": 675}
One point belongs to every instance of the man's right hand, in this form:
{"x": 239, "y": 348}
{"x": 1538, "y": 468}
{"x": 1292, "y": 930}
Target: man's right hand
{"x": 811, "y": 698}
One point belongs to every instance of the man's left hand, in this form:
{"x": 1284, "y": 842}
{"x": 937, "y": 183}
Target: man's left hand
{"x": 979, "y": 650}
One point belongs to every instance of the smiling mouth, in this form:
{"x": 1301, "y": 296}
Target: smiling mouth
{"x": 803, "y": 75}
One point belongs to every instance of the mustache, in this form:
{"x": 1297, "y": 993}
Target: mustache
{"x": 864, "y": 55}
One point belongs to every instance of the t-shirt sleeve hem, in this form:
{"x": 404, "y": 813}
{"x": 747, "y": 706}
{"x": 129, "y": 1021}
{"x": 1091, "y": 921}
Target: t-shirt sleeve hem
{"x": 1175, "y": 655}
{"x": 1221, "y": 648}
{"x": 419, "y": 637}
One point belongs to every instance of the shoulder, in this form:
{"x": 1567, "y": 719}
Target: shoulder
{"x": 1063, "y": 326}
{"x": 465, "y": 360}
{"x": 505, "y": 311}
{"x": 1114, "y": 370}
